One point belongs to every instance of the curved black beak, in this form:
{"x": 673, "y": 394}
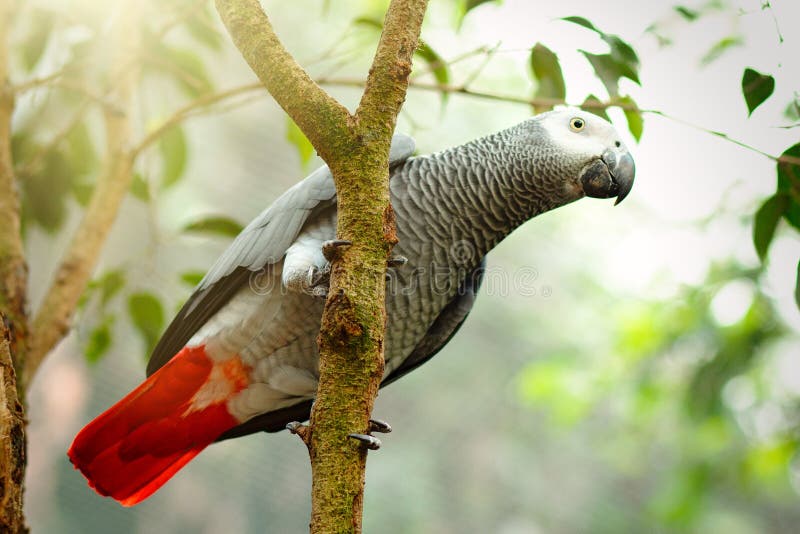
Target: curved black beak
{"x": 610, "y": 176}
{"x": 623, "y": 174}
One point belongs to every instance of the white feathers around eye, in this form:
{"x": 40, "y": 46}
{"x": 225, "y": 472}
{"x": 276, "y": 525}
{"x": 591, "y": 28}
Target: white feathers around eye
{"x": 594, "y": 137}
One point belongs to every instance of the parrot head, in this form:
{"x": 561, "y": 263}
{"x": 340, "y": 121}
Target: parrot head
{"x": 583, "y": 155}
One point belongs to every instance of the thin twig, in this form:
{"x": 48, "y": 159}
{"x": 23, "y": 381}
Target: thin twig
{"x": 477, "y": 72}
{"x": 35, "y": 83}
{"x": 722, "y": 135}
{"x": 192, "y": 108}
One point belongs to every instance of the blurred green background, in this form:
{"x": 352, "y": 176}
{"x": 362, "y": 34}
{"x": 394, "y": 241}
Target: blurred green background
{"x": 639, "y": 374}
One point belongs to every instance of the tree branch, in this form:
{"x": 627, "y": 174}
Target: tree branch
{"x": 318, "y": 115}
{"x": 71, "y": 276}
{"x": 190, "y": 110}
{"x": 356, "y": 148}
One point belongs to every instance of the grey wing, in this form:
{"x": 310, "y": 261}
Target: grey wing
{"x": 445, "y": 326}
{"x": 263, "y": 242}
{"x": 447, "y": 323}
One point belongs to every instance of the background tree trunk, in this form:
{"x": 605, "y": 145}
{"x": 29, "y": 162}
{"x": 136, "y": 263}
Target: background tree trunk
{"x": 13, "y": 321}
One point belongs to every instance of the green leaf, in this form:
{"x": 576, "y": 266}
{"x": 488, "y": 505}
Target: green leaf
{"x": 766, "y": 221}
{"x": 688, "y": 14}
{"x": 200, "y": 27}
{"x": 633, "y": 116}
{"x": 173, "y": 149}
{"x": 789, "y": 172}
{"x": 789, "y": 182}
{"x": 547, "y": 71}
{"x": 610, "y": 71}
{"x": 109, "y": 285}
{"x": 621, "y": 62}
{"x": 472, "y": 4}
{"x": 623, "y": 53}
{"x": 192, "y": 278}
{"x": 797, "y": 287}
{"x": 296, "y": 137}
{"x": 600, "y": 112}
{"x": 369, "y": 22}
{"x": 191, "y": 73}
{"x": 182, "y": 66}
{"x": 99, "y": 342}
{"x": 756, "y": 88}
{"x": 147, "y": 316}
{"x": 80, "y": 150}
{"x": 219, "y": 225}
{"x": 465, "y": 7}
{"x": 35, "y": 43}
{"x": 580, "y": 21}
{"x": 140, "y": 188}
{"x": 720, "y": 47}
{"x": 438, "y": 65}
{"x": 46, "y": 190}
{"x": 792, "y": 111}
{"x": 82, "y": 191}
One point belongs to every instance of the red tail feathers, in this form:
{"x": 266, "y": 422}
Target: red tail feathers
{"x": 134, "y": 447}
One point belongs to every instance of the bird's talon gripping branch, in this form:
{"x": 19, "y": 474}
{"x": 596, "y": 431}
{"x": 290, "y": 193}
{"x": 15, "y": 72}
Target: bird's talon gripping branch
{"x": 369, "y": 442}
{"x": 299, "y": 429}
{"x": 330, "y": 249}
{"x": 295, "y": 427}
{"x": 377, "y": 425}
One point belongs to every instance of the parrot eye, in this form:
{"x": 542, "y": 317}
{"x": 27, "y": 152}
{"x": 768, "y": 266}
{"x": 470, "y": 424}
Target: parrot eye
{"x": 577, "y": 124}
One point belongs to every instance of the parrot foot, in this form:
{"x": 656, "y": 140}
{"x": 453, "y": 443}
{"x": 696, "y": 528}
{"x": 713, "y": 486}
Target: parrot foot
{"x": 318, "y": 281}
{"x": 377, "y": 425}
{"x": 299, "y": 429}
{"x": 367, "y": 441}
{"x": 330, "y": 249}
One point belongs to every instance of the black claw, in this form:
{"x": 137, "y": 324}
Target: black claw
{"x": 330, "y": 249}
{"x": 397, "y": 261}
{"x": 376, "y": 425}
{"x": 369, "y": 442}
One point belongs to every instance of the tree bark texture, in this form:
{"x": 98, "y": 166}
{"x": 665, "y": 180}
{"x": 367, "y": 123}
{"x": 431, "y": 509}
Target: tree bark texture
{"x": 356, "y": 148}
{"x": 13, "y": 321}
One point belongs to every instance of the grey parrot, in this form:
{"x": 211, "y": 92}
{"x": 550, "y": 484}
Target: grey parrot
{"x": 241, "y": 355}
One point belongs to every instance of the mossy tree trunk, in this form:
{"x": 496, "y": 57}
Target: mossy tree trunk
{"x": 356, "y": 148}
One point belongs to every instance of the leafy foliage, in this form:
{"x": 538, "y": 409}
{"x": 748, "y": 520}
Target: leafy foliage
{"x": 32, "y": 48}
{"x": 215, "y": 225}
{"x": 192, "y": 278}
{"x": 547, "y": 71}
{"x": 296, "y": 137}
{"x": 99, "y": 341}
{"x": 670, "y": 374}
{"x": 756, "y": 88}
{"x": 437, "y": 65}
{"x": 147, "y": 316}
{"x": 174, "y": 152}
{"x": 621, "y": 62}
{"x": 766, "y": 222}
